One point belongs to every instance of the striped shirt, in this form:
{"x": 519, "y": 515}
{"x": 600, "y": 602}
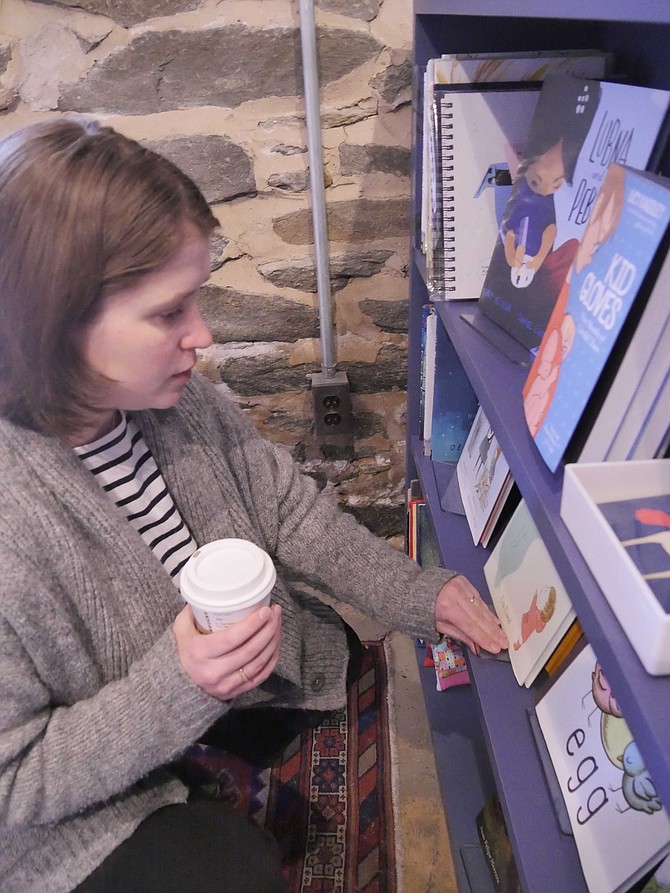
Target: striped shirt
{"x": 125, "y": 469}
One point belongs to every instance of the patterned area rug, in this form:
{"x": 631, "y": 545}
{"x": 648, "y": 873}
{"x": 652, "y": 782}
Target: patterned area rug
{"x": 328, "y": 800}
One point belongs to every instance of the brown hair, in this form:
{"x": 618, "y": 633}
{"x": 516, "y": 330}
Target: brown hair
{"x": 84, "y": 211}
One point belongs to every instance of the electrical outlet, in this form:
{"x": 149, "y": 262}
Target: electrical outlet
{"x": 333, "y": 418}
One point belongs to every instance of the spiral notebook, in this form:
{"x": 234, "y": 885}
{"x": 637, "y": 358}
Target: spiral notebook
{"x": 477, "y": 136}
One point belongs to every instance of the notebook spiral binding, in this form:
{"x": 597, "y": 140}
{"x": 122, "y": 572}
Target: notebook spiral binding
{"x": 441, "y": 272}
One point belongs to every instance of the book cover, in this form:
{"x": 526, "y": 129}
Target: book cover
{"x": 455, "y": 403}
{"x": 637, "y": 381}
{"x": 642, "y": 526}
{"x": 496, "y": 846}
{"x": 483, "y": 474}
{"x": 427, "y": 371}
{"x": 480, "y": 136}
{"x": 620, "y": 827}
{"x": 530, "y": 600}
{"x": 612, "y": 267}
{"x": 580, "y": 127}
{"x": 483, "y": 68}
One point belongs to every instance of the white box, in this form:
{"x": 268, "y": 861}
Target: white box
{"x": 632, "y": 600}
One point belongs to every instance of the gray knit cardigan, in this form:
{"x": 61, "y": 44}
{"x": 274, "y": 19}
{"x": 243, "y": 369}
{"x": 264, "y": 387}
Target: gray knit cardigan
{"x": 93, "y": 700}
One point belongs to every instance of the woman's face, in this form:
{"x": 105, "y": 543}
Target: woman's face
{"x": 144, "y": 338}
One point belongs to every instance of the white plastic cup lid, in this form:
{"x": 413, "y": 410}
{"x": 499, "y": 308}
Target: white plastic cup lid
{"x": 227, "y": 573}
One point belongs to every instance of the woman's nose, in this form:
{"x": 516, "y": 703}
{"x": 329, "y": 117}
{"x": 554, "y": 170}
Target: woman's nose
{"x": 197, "y": 334}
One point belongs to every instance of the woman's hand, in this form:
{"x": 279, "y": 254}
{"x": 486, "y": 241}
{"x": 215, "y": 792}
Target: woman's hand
{"x": 461, "y": 614}
{"x": 233, "y": 660}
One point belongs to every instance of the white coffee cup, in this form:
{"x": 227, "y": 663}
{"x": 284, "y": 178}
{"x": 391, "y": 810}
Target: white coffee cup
{"x": 225, "y": 580}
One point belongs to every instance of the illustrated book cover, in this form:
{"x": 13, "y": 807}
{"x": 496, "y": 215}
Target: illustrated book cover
{"x": 620, "y": 827}
{"x": 580, "y": 127}
{"x": 529, "y": 598}
{"x": 642, "y": 526}
{"x": 475, "y": 69}
{"x": 455, "y": 403}
{"x": 483, "y": 475}
{"x": 613, "y": 268}
{"x": 479, "y": 136}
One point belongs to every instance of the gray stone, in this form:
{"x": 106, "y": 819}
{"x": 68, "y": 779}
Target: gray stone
{"x": 301, "y": 273}
{"x": 5, "y": 56}
{"x": 165, "y": 70}
{"x": 283, "y": 149}
{"x": 270, "y": 372}
{"x": 394, "y": 84}
{"x": 388, "y": 372}
{"x": 236, "y": 316}
{"x": 384, "y": 520}
{"x": 129, "y": 12}
{"x": 291, "y": 181}
{"x": 358, "y": 220}
{"x": 367, "y": 10}
{"x": 371, "y": 159}
{"x": 218, "y": 244}
{"x": 367, "y": 424}
{"x": 221, "y": 168}
{"x": 264, "y": 374}
{"x": 390, "y": 316}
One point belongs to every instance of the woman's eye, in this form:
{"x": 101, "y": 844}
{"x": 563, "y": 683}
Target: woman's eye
{"x": 172, "y": 315}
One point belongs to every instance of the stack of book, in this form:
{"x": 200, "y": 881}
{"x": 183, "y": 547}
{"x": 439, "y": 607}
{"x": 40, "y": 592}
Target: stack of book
{"x": 477, "y": 111}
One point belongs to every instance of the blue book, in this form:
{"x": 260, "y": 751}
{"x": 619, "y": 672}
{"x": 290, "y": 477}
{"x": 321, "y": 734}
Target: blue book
{"x": 455, "y": 403}
{"x": 601, "y": 300}
{"x": 580, "y": 126}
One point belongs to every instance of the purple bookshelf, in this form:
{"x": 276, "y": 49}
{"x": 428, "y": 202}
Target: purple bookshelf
{"x": 501, "y": 738}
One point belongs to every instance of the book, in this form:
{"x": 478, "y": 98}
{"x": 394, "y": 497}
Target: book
{"x": 496, "y": 846}
{"x": 580, "y": 127}
{"x": 455, "y": 403}
{"x": 637, "y": 381}
{"x": 620, "y": 827}
{"x": 484, "y": 478}
{"x": 477, "y": 138}
{"x": 529, "y": 598}
{"x": 427, "y": 374}
{"x": 599, "y": 305}
{"x": 564, "y": 648}
{"x": 652, "y": 440}
{"x": 490, "y": 68}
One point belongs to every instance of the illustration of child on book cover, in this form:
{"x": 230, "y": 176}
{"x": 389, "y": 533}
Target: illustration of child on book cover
{"x": 580, "y": 127}
{"x": 540, "y": 386}
{"x": 628, "y": 224}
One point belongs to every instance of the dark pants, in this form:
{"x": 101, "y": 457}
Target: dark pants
{"x": 203, "y": 846}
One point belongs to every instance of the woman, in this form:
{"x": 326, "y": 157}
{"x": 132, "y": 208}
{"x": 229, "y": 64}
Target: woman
{"x": 116, "y": 461}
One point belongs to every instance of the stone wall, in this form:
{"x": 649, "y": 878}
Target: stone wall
{"x": 217, "y": 87}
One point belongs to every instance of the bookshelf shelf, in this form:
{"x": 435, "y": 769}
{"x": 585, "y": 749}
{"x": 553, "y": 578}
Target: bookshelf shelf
{"x": 639, "y": 39}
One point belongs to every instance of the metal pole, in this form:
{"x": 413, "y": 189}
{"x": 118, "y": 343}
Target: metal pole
{"x": 315, "y": 150}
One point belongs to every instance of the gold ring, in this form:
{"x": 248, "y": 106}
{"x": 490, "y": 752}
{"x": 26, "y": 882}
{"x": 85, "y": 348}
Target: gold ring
{"x": 244, "y": 676}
